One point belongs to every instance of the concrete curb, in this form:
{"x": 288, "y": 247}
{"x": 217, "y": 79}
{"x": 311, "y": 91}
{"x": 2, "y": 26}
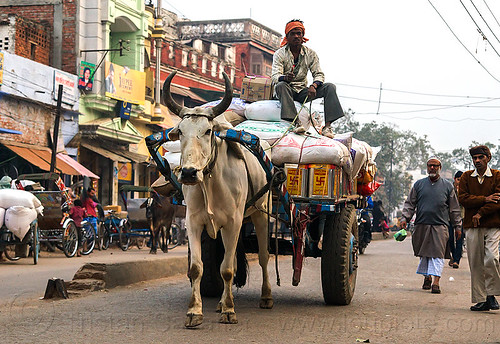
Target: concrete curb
{"x": 98, "y": 276}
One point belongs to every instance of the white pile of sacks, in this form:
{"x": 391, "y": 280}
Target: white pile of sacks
{"x": 18, "y": 209}
{"x": 263, "y": 119}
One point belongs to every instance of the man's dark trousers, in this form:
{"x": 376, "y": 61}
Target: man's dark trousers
{"x": 456, "y": 247}
{"x": 333, "y": 109}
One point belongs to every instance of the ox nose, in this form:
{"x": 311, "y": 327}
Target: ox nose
{"x": 188, "y": 173}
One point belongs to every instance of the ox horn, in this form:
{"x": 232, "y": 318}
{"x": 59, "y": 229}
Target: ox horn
{"x": 167, "y": 96}
{"x": 226, "y": 101}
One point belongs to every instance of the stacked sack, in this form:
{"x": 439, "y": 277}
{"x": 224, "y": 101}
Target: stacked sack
{"x": 18, "y": 209}
{"x": 263, "y": 119}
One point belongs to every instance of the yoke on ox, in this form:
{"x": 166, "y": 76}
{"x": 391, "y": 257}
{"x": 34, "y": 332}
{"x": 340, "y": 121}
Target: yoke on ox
{"x": 218, "y": 177}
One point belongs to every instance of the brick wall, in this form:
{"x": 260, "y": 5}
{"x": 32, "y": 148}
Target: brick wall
{"x": 32, "y": 40}
{"x": 33, "y": 120}
{"x": 44, "y": 14}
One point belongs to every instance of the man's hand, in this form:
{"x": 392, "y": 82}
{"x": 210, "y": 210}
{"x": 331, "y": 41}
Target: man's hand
{"x": 311, "y": 92}
{"x": 289, "y": 77}
{"x": 458, "y": 233}
{"x": 494, "y": 198}
{"x": 402, "y": 223}
{"x": 475, "y": 220}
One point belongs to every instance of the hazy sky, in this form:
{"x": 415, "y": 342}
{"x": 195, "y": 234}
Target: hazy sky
{"x": 405, "y": 46}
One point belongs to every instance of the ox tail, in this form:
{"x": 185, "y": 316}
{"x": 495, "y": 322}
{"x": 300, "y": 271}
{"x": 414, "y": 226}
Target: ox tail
{"x": 240, "y": 278}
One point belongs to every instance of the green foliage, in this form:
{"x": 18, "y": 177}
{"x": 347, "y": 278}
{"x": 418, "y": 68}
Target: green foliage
{"x": 400, "y": 151}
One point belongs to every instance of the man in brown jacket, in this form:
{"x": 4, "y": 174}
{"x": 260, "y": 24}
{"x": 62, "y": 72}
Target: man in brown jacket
{"x": 479, "y": 194}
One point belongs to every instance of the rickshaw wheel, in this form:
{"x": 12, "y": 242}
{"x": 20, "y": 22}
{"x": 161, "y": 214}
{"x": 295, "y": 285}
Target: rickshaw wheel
{"x": 10, "y": 252}
{"x": 35, "y": 242}
{"x": 70, "y": 242}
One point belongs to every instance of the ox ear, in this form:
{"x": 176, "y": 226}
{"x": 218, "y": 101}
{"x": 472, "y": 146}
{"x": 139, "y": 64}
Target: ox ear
{"x": 221, "y": 123}
{"x": 173, "y": 134}
{"x": 144, "y": 205}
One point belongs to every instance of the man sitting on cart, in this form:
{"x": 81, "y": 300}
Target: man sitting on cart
{"x": 90, "y": 202}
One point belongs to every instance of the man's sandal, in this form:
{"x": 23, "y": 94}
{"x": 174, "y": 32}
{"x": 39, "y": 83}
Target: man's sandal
{"x": 427, "y": 283}
{"x": 435, "y": 289}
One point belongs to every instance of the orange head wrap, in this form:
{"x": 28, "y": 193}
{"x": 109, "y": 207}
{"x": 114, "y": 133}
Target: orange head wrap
{"x": 289, "y": 27}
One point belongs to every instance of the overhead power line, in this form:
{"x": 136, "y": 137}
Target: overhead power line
{"x": 479, "y": 29}
{"x": 484, "y": 20}
{"x": 416, "y": 93}
{"x": 491, "y": 12}
{"x": 463, "y": 45}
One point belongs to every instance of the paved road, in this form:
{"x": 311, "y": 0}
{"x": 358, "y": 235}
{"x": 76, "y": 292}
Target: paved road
{"x": 389, "y": 306}
{"x": 24, "y": 280}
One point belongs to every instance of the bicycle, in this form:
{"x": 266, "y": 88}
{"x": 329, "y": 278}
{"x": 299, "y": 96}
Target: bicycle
{"x": 115, "y": 227}
{"x": 88, "y": 235}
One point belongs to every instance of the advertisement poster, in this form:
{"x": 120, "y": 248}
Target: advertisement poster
{"x": 122, "y": 83}
{"x": 86, "y": 76}
{"x": 125, "y": 172}
{"x": 70, "y": 91}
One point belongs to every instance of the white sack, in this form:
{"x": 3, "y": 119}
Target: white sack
{"x": 18, "y": 220}
{"x": 237, "y": 105}
{"x": 270, "y": 110}
{"x": 2, "y": 216}
{"x": 345, "y": 139}
{"x": 13, "y": 197}
{"x": 297, "y": 149}
{"x": 267, "y": 131}
{"x": 174, "y": 159}
{"x": 172, "y": 146}
{"x": 361, "y": 157}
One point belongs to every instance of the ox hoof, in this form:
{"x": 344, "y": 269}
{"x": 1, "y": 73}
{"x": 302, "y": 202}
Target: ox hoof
{"x": 228, "y": 318}
{"x": 152, "y": 252}
{"x": 266, "y": 303}
{"x": 193, "y": 320}
{"x": 218, "y": 309}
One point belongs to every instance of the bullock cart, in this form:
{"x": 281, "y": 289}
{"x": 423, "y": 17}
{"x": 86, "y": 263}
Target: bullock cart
{"x": 56, "y": 227}
{"x": 300, "y": 226}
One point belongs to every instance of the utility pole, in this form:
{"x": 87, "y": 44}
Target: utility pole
{"x": 390, "y": 174}
{"x": 158, "y": 34}
{"x": 55, "y": 136}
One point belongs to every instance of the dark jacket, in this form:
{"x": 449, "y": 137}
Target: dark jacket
{"x": 472, "y": 196}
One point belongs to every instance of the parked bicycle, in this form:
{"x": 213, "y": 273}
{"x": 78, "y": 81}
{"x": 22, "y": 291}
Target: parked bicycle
{"x": 116, "y": 229}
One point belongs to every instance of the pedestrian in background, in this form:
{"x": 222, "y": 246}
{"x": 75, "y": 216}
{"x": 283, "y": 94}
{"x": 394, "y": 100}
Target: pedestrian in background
{"x": 456, "y": 243}
{"x": 435, "y": 203}
{"x": 479, "y": 194}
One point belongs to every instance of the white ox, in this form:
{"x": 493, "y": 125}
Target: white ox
{"x": 218, "y": 178}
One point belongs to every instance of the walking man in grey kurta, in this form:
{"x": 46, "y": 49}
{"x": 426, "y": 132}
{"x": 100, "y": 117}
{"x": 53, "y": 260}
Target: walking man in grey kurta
{"x": 436, "y": 205}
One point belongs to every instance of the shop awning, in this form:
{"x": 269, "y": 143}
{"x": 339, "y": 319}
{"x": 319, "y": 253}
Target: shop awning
{"x": 115, "y": 154}
{"x": 76, "y": 165}
{"x": 42, "y": 157}
{"x": 104, "y": 152}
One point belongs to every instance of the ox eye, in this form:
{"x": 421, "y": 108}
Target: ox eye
{"x": 208, "y": 132}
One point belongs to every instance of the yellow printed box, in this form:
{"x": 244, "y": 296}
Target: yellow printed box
{"x": 296, "y": 179}
{"x": 321, "y": 180}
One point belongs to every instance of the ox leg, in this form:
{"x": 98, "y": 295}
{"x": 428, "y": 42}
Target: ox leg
{"x": 259, "y": 220}
{"x": 154, "y": 236}
{"x": 230, "y": 240}
{"x": 194, "y": 316}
